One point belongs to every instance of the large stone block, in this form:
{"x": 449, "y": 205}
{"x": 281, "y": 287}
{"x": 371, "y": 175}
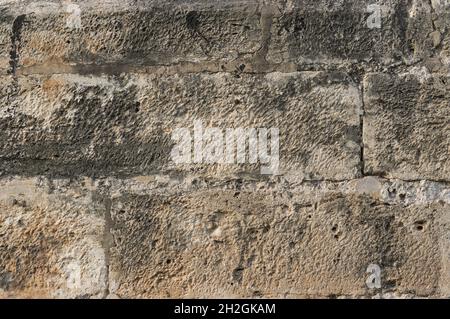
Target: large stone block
{"x": 263, "y": 243}
{"x": 324, "y": 32}
{"x": 51, "y": 241}
{"x": 83, "y": 125}
{"x": 115, "y": 33}
{"x": 407, "y": 125}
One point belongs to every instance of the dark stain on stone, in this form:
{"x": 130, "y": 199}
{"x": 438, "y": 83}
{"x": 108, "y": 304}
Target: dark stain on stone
{"x": 237, "y": 274}
{"x": 16, "y": 37}
{"x": 192, "y": 21}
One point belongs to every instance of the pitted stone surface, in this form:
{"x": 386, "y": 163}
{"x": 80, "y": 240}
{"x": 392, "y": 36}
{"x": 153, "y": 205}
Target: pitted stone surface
{"x": 51, "y": 243}
{"x": 92, "y": 204}
{"x": 85, "y": 125}
{"x": 407, "y": 125}
{"x": 239, "y": 244}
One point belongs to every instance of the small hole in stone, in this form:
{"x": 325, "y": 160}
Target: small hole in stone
{"x": 419, "y": 225}
{"x": 168, "y": 261}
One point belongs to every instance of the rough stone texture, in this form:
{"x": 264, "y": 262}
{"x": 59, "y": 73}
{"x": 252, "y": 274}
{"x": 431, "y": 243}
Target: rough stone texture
{"x": 92, "y": 206}
{"x": 115, "y": 36}
{"x": 316, "y": 31}
{"x": 122, "y": 125}
{"x": 155, "y": 236}
{"x": 441, "y": 15}
{"x": 216, "y": 243}
{"x": 51, "y": 241}
{"x": 136, "y": 32}
{"x": 5, "y": 43}
{"x": 407, "y": 125}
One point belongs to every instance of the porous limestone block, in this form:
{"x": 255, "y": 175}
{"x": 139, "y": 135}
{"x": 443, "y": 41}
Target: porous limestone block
{"x": 407, "y": 125}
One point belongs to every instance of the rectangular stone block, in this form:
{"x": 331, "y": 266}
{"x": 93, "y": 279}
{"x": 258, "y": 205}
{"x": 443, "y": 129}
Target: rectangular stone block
{"x": 67, "y": 35}
{"x": 312, "y": 32}
{"x": 407, "y": 125}
{"x": 74, "y": 125}
{"x": 240, "y": 242}
{"x": 51, "y": 241}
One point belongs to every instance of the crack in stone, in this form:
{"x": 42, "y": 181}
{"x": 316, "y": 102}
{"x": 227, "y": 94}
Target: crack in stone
{"x": 107, "y": 242}
{"x": 361, "y": 127}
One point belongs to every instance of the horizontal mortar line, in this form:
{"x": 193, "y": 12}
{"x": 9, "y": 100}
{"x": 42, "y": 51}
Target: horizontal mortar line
{"x": 412, "y": 180}
{"x": 246, "y": 180}
{"x": 175, "y": 189}
{"x": 190, "y": 68}
{"x": 159, "y": 70}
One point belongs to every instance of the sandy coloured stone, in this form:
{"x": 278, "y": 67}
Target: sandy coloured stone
{"x": 235, "y": 243}
{"x": 407, "y": 125}
{"x": 93, "y": 206}
{"x": 115, "y": 34}
{"x": 122, "y": 125}
{"x": 93, "y": 36}
{"x": 51, "y": 241}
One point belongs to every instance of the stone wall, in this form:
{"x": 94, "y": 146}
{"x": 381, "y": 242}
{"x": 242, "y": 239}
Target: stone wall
{"x": 93, "y": 206}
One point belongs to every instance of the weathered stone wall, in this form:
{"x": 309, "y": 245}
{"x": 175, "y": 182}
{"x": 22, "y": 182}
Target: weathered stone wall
{"x": 92, "y": 206}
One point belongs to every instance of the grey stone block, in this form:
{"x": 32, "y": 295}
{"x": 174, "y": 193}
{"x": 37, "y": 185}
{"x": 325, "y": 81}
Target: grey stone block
{"x": 407, "y": 125}
{"x": 81, "y": 125}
